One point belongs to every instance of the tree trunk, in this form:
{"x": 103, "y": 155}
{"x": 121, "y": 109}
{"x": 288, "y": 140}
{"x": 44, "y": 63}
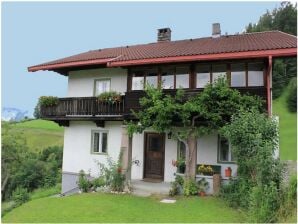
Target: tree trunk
{"x": 191, "y": 157}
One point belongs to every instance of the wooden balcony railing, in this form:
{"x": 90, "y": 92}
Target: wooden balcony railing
{"x": 83, "y": 107}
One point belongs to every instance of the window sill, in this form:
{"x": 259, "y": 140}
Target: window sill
{"x": 226, "y": 162}
{"x": 99, "y": 153}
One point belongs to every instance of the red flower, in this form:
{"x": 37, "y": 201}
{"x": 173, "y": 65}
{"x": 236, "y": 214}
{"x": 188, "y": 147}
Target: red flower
{"x": 119, "y": 170}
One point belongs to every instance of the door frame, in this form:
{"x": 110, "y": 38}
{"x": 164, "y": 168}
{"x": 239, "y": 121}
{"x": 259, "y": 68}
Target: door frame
{"x": 163, "y": 153}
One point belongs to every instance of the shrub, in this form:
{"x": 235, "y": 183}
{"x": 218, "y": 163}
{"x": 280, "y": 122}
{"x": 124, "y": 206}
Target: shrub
{"x": 190, "y": 187}
{"x": 98, "y": 182}
{"x": 20, "y": 196}
{"x": 110, "y": 97}
{"x": 83, "y": 183}
{"x": 176, "y": 186}
{"x": 112, "y": 174}
{"x": 48, "y": 101}
{"x": 203, "y": 185}
{"x": 264, "y": 203}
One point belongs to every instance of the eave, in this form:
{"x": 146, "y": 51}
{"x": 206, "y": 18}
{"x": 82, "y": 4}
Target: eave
{"x": 112, "y": 62}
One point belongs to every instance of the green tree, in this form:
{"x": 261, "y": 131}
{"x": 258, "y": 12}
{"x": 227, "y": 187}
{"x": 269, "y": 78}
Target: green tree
{"x": 189, "y": 117}
{"x": 283, "y": 18}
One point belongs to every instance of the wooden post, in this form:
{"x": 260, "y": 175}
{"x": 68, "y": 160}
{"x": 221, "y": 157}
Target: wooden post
{"x": 268, "y": 85}
{"x": 126, "y": 149}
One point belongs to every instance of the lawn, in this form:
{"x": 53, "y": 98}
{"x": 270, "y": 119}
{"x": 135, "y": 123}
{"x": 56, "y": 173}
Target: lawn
{"x": 96, "y": 207}
{"x": 287, "y": 128}
{"x": 40, "y": 133}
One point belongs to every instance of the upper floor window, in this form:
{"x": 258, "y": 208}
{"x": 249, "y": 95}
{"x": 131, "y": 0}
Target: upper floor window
{"x": 137, "y": 82}
{"x": 152, "y": 79}
{"x": 182, "y": 77}
{"x": 238, "y": 76}
{"x": 101, "y": 86}
{"x": 99, "y": 142}
{"x": 225, "y": 151}
{"x": 219, "y": 71}
{"x": 167, "y": 80}
{"x": 203, "y": 75}
{"x": 255, "y": 74}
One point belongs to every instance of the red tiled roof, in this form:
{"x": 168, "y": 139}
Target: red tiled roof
{"x": 227, "y": 44}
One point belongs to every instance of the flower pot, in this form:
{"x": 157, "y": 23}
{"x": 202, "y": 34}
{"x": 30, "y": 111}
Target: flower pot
{"x": 228, "y": 172}
{"x": 202, "y": 194}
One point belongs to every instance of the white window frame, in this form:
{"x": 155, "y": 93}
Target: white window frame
{"x": 100, "y": 146}
{"x": 101, "y": 80}
{"x": 229, "y": 155}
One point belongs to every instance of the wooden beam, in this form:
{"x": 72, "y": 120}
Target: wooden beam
{"x": 100, "y": 123}
{"x": 64, "y": 123}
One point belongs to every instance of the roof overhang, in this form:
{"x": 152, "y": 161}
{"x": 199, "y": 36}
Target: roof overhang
{"x": 112, "y": 62}
{"x": 69, "y": 64}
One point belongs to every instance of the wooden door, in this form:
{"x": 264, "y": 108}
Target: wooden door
{"x": 154, "y": 155}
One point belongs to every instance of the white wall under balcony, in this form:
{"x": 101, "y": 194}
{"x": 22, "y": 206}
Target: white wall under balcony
{"x": 81, "y": 83}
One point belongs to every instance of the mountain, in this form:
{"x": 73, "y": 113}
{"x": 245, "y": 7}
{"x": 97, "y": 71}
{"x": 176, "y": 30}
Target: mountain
{"x": 13, "y": 114}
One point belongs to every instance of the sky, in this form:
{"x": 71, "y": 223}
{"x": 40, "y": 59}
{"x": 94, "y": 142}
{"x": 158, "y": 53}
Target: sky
{"x": 37, "y": 32}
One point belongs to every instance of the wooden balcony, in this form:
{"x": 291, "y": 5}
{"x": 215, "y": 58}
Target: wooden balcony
{"x": 84, "y": 108}
{"x": 132, "y": 97}
{"x": 92, "y": 109}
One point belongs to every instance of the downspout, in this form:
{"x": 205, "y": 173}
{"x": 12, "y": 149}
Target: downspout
{"x": 268, "y": 85}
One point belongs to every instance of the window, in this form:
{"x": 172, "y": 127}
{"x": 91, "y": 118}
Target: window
{"x": 219, "y": 71}
{"x": 152, "y": 80}
{"x": 137, "y": 82}
{"x": 181, "y": 151}
{"x": 224, "y": 151}
{"x": 238, "y": 75}
{"x": 182, "y": 77}
{"x": 101, "y": 86}
{"x": 255, "y": 74}
{"x": 167, "y": 81}
{"x": 99, "y": 142}
{"x": 203, "y": 76}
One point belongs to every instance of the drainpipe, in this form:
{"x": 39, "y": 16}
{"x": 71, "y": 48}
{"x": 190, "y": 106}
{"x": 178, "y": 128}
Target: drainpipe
{"x": 268, "y": 85}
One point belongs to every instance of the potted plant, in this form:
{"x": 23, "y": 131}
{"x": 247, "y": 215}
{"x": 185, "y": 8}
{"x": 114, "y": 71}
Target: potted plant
{"x": 109, "y": 97}
{"x": 205, "y": 170}
{"x": 180, "y": 164}
{"x": 203, "y": 185}
{"x": 228, "y": 172}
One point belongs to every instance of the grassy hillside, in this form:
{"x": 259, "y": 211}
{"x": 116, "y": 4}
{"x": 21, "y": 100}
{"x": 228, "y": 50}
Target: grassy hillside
{"x": 40, "y": 133}
{"x": 287, "y": 128}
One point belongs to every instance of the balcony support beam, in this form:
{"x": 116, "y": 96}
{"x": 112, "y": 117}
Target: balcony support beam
{"x": 100, "y": 123}
{"x": 64, "y": 123}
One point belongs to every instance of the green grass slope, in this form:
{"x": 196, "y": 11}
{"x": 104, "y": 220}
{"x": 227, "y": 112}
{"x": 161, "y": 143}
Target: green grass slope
{"x": 40, "y": 133}
{"x": 95, "y": 207}
{"x": 287, "y": 128}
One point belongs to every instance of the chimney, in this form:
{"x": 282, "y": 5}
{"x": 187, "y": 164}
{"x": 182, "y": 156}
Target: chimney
{"x": 164, "y": 34}
{"x": 216, "y": 30}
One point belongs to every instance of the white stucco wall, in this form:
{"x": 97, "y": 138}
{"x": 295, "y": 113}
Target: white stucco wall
{"x": 77, "y": 150}
{"x": 207, "y": 148}
{"x": 77, "y": 146}
{"x": 81, "y": 83}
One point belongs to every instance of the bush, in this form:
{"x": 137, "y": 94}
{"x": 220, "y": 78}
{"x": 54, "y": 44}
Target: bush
{"x": 236, "y": 192}
{"x": 83, "y": 183}
{"x": 176, "y": 186}
{"x": 48, "y": 101}
{"x": 292, "y": 96}
{"x": 98, "y": 182}
{"x": 20, "y": 196}
{"x": 264, "y": 203}
{"x": 190, "y": 187}
{"x": 112, "y": 174}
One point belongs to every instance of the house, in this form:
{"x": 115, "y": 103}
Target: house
{"x": 95, "y": 129}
